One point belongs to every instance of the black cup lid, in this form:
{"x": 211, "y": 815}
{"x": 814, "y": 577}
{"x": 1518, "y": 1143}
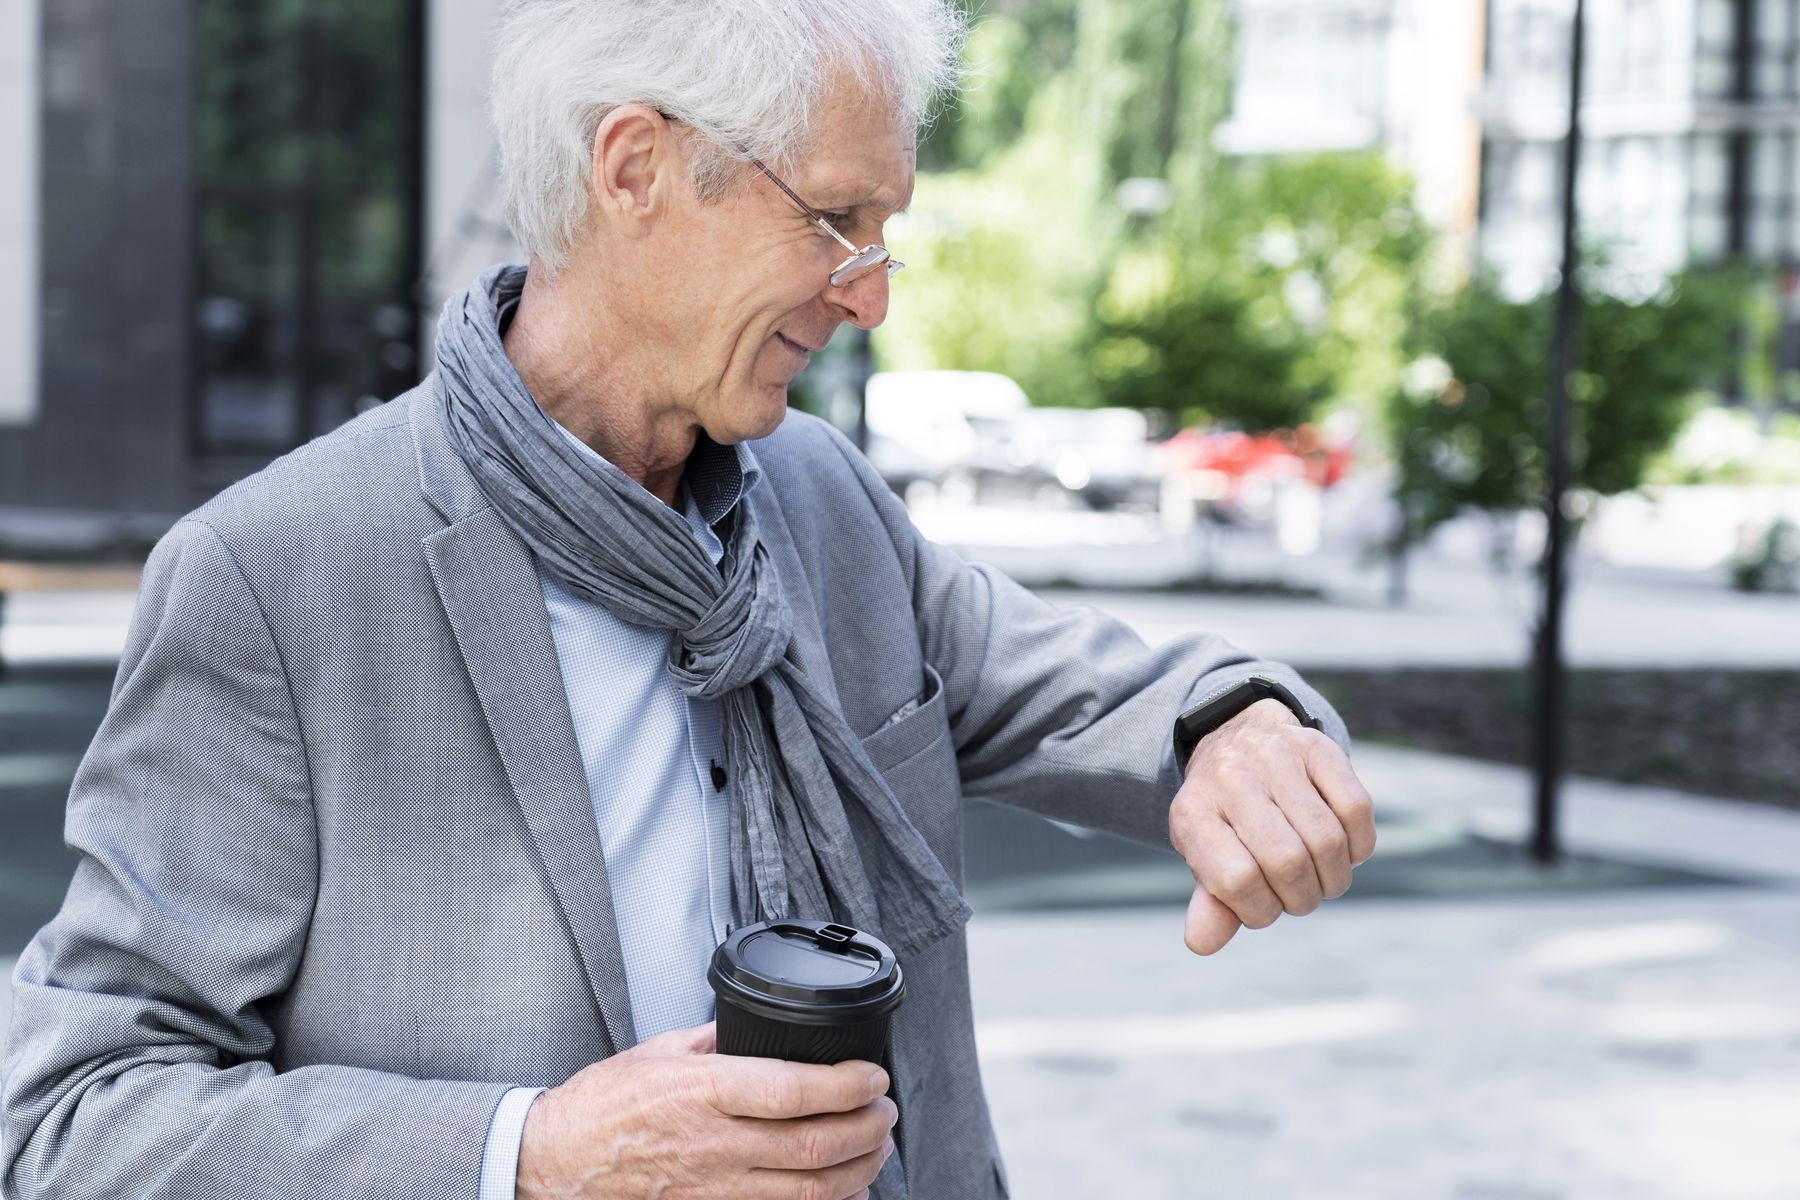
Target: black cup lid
{"x": 811, "y": 962}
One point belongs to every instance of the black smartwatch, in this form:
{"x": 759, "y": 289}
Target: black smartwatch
{"x": 1226, "y": 703}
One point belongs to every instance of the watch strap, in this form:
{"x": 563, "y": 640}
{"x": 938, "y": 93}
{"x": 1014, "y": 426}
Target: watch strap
{"x": 1224, "y": 704}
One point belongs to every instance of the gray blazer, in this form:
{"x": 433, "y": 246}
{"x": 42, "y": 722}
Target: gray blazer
{"x": 340, "y": 884}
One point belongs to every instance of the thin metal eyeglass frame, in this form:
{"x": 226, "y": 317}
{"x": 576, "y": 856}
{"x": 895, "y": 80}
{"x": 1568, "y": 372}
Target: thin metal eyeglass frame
{"x": 860, "y": 262}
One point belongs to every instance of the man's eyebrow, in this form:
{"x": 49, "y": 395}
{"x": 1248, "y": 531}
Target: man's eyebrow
{"x": 856, "y": 198}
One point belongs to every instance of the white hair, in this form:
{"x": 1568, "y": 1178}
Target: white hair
{"x": 746, "y": 74}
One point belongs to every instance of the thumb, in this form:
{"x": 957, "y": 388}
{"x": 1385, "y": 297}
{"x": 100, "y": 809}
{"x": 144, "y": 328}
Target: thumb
{"x": 1210, "y": 924}
{"x": 679, "y": 1043}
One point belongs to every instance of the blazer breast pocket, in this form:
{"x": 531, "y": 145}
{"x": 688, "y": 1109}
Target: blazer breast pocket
{"x": 914, "y": 752}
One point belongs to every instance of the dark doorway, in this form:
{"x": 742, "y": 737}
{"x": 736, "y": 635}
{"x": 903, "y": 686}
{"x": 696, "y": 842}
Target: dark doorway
{"x": 308, "y": 151}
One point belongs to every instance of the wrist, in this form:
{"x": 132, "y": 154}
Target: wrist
{"x": 1228, "y": 706}
{"x": 534, "y": 1180}
{"x": 1264, "y": 712}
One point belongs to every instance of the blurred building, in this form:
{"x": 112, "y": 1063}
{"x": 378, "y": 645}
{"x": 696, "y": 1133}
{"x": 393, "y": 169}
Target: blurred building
{"x": 217, "y": 222}
{"x": 1399, "y": 75}
{"x": 1691, "y": 121}
{"x": 1691, "y": 118}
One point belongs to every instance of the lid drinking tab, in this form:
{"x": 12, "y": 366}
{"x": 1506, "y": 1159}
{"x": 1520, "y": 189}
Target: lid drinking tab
{"x": 811, "y": 962}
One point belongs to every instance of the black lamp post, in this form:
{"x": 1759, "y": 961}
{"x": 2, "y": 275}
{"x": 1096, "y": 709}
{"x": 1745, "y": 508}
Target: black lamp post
{"x": 1550, "y": 682}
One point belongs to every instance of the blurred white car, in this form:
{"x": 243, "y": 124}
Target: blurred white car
{"x": 1095, "y": 458}
{"x": 941, "y": 429}
{"x": 972, "y": 437}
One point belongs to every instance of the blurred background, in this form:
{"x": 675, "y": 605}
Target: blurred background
{"x": 1220, "y": 314}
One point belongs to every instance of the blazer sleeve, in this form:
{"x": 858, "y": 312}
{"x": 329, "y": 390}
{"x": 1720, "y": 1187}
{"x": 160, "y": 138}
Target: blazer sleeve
{"x": 138, "y": 1062}
{"x": 1061, "y": 710}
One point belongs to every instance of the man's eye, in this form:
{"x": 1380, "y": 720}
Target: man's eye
{"x": 838, "y": 220}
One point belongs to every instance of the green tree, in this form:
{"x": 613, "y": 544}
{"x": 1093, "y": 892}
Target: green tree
{"x": 1469, "y": 421}
{"x": 1017, "y": 231}
{"x": 1294, "y": 294}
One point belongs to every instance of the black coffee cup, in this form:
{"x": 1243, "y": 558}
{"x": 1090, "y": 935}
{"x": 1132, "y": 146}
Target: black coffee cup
{"x": 805, "y": 991}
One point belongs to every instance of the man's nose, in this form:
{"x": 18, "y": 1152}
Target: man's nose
{"x": 864, "y": 300}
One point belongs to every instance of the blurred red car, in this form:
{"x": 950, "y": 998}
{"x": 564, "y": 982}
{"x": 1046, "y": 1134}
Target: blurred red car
{"x": 1235, "y": 474}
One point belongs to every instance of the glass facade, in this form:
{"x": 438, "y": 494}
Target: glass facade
{"x": 1320, "y": 71}
{"x": 1690, "y": 149}
{"x": 307, "y": 215}
{"x": 1775, "y": 56}
{"x": 1772, "y": 218}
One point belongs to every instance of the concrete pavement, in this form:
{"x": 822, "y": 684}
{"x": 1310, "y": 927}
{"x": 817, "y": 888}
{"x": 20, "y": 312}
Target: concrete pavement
{"x": 1624, "y": 1027}
{"x": 1628, "y": 1046}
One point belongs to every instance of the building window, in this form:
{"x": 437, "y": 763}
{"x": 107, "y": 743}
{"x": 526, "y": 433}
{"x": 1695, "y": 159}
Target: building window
{"x": 1715, "y": 73}
{"x": 1709, "y": 198}
{"x": 1775, "y": 50}
{"x": 307, "y": 215}
{"x": 1771, "y": 204}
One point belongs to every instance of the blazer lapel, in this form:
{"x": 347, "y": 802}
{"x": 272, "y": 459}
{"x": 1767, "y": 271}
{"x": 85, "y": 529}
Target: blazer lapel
{"x": 489, "y": 586}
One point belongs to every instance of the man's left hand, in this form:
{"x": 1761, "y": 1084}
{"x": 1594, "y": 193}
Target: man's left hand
{"x": 1271, "y": 818}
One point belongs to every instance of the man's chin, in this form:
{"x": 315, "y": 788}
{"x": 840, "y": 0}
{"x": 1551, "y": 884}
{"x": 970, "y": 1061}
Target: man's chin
{"x": 758, "y": 418}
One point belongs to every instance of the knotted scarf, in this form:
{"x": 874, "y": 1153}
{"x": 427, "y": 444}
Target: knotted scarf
{"x": 816, "y": 833}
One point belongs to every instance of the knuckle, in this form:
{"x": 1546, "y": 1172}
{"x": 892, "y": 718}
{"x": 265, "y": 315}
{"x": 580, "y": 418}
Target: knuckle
{"x": 1292, "y": 867}
{"x": 1317, "y": 740}
{"x": 814, "y": 1149}
{"x": 1239, "y": 882}
{"x": 704, "y": 1085}
{"x": 815, "y": 1188}
{"x": 1262, "y": 918}
{"x": 1237, "y": 776}
{"x": 781, "y": 1094}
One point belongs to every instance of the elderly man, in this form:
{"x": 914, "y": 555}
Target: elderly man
{"x": 445, "y": 750}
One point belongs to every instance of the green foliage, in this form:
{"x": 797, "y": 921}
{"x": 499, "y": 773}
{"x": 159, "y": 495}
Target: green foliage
{"x": 1003, "y": 270}
{"x": 1208, "y": 351}
{"x": 1259, "y": 293}
{"x": 1470, "y": 418}
{"x": 1292, "y": 295}
{"x": 1013, "y": 241}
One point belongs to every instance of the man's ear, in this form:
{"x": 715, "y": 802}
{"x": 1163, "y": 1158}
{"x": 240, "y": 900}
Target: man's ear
{"x": 636, "y": 168}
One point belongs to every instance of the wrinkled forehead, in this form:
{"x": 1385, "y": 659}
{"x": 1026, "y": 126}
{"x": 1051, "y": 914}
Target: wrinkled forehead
{"x": 861, "y": 154}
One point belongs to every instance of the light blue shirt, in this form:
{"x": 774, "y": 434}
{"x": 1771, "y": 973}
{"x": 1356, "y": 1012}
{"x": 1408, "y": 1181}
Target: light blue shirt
{"x": 664, "y": 813}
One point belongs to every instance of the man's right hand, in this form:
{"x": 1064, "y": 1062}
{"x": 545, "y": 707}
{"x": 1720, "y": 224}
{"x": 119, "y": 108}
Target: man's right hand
{"x": 673, "y": 1119}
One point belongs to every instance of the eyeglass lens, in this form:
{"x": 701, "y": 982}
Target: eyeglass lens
{"x": 861, "y": 263}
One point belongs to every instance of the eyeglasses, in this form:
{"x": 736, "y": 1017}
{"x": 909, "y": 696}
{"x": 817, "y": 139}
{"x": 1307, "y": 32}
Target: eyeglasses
{"x": 860, "y": 262}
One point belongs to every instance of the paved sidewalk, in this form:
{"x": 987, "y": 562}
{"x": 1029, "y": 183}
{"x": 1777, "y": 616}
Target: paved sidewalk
{"x": 1554, "y": 1039}
{"x": 1460, "y": 611}
{"x": 1468, "y": 617}
{"x": 1630, "y": 1046}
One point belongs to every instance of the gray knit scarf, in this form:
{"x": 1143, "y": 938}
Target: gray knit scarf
{"x": 817, "y": 833}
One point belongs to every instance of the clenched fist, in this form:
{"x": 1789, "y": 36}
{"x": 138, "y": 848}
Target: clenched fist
{"x": 1270, "y": 818}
